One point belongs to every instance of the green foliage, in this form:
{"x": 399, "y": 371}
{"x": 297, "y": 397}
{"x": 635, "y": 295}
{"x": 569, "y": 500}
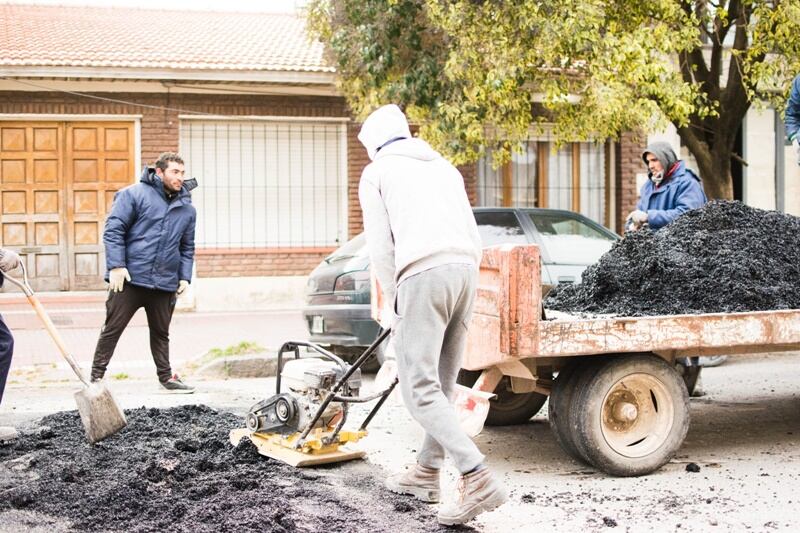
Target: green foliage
{"x": 479, "y": 74}
{"x": 120, "y": 376}
{"x": 243, "y": 348}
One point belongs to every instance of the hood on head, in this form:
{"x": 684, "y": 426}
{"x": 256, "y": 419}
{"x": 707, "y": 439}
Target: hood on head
{"x": 150, "y": 177}
{"x": 664, "y": 152}
{"x": 385, "y": 124}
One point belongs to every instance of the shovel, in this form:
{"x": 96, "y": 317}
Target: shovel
{"x": 100, "y": 414}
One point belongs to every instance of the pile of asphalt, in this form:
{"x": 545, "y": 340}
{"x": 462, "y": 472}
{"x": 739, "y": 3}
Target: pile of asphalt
{"x": 725, "y": 257}
{"x": 175, "y": 470}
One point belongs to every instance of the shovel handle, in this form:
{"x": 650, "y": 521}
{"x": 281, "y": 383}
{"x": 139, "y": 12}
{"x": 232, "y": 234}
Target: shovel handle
{"x": 45, "y": 318}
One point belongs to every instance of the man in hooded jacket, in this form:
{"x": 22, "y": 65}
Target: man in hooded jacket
{"x": 425, "y": 248}
{"x": 671, "y": 190}
{"x": 793, "y": 117}
{"x": 149, "y": 244}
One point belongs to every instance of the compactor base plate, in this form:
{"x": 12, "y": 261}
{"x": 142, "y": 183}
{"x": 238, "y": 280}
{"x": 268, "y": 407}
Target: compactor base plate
{"x": 270, "y": 446}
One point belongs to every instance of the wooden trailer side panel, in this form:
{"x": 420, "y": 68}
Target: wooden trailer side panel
{"x": 507, "y": 308}
{"x": 756, "y": 330}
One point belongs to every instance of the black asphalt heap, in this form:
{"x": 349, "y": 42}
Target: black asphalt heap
{"x": 174, "y": 470}
{"x": 725, "y": 257}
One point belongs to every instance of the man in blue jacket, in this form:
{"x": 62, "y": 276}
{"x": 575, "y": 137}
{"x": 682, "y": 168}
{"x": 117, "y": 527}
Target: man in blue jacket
{"x": 149, "y": 242}
{"x": 792, "y": 118}
{"x": 671, "y": 189}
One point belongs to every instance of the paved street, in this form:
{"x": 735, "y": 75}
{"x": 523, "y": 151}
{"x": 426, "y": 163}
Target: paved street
{"x": 744, "y": 438}
{"x": 191, "y": 334}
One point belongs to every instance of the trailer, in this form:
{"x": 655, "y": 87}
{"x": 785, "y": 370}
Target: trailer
{"x": 616, "y": 399}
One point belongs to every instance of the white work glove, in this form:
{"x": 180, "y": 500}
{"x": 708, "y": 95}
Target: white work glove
{"x": 9, "y": 260}
{"x": 637, "y": 219}
{"x": 182, "y": 284}
{"x": 117, "y": 277}
{"x": 796, "y": 146}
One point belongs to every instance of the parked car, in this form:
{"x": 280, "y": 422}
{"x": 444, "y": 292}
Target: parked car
{"x": 337, "y": 311}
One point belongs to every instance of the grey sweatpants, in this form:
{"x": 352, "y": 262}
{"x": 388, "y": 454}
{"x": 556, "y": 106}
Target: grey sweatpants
{"x": 432, "y": 311}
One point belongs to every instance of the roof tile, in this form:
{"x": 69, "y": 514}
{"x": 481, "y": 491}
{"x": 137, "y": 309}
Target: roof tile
{"x": 64, "y": 36}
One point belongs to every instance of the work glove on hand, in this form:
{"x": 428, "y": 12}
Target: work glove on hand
{"x": 117, "y": 278}
{"x": 796, "y": 146}
{"x": 182, "y": 284}
{"x": 637, "y": 219}
{"x": 9, "y": 260}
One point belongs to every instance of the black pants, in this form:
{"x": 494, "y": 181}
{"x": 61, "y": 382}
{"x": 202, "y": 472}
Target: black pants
{"x": 120, "y": 308}
{"x": 6, "y": 352}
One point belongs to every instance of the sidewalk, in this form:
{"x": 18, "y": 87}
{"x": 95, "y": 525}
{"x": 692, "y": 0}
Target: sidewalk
{"x": 192, "y": 334}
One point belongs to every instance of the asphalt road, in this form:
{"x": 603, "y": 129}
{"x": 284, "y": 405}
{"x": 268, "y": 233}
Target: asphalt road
{"x": 744, "y": 437}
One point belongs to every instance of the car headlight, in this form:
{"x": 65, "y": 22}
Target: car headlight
{"x": 352, "y": 281}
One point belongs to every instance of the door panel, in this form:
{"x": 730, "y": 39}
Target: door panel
{"x": 32, "y": 195}
{"x": 57, "y": 182}
{"x": 99, "y": 161}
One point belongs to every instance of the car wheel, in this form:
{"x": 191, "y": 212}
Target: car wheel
{"x": 509, "y": 407}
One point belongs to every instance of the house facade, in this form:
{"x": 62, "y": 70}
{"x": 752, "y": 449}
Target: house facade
{"x": 86, "y": 102}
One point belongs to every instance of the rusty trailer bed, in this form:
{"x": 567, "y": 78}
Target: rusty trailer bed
{"x": 507, "y": 324}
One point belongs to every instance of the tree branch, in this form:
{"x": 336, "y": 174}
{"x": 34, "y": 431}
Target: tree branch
{"x": 734, "y": 98}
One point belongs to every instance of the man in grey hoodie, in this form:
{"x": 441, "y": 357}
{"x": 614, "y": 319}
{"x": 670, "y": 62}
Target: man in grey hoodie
{"x": 425, "y": 248}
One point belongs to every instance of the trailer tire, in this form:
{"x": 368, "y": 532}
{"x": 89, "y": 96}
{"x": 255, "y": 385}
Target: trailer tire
{"x": 509, "y": 408}
{"x": 559, "y": 406}
{"x": 630, "y": 415}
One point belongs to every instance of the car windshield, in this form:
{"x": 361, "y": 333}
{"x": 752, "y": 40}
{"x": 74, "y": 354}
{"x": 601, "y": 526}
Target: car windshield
{"x": 570, "y": 240}
{"x": 355, "y": 247}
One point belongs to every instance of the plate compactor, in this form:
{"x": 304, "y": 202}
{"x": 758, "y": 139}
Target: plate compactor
{"x": 304, "y": 425}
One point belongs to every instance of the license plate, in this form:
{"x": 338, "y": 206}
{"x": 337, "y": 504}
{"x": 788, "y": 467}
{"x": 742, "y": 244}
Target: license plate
{"x": 317, "y": 324}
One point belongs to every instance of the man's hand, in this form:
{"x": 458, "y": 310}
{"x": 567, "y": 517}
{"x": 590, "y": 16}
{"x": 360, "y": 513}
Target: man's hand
{"x": 637, "y": 219}
{"x": 117, "y": 278}
{"x": 9, "y": 260}
{"x": 182, "y": 285}
{"x": 796, "y": 146}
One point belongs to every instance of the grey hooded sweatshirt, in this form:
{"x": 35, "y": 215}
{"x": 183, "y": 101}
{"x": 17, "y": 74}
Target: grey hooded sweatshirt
{"x": 416, "y": 212}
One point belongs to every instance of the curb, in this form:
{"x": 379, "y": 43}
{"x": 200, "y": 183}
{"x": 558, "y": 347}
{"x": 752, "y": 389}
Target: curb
{"x": 240, "y": 366}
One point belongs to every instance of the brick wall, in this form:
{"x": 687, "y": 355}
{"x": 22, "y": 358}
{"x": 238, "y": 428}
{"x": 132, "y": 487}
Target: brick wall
{"x": 259, "y": 262}
{"x": 160, "y": 127}
{"x": 357, "y": 159}
{"x": 629, "y": 163}
{"x": 160, "y": 132}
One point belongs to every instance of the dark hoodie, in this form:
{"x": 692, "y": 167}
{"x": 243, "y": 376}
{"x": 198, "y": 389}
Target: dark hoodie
{"x": 679, "y": 191}
{"x": 150, "y": 235}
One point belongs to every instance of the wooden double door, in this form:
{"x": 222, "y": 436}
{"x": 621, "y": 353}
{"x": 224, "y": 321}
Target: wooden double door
{"x": 57, "y": 183}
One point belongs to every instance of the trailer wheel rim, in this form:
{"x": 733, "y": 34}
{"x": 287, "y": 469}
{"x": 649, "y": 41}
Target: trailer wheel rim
{"x": 637, "y": 415}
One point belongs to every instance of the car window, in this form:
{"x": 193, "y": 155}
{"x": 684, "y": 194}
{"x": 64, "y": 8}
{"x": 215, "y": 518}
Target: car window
{"x": 355, "y": 247}
{"x": 500, "y": 227}
{"x": 570, "y": 240}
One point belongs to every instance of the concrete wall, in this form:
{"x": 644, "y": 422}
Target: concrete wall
{"x": 758, "y": 187}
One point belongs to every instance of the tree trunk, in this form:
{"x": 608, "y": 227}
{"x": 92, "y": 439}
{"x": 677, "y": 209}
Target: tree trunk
{"x": 713, "y": 161}
{"x": 715, "y": 171}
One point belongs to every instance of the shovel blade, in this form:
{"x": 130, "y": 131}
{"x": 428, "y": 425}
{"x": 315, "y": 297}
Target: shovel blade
{"x": 100, "y": 414}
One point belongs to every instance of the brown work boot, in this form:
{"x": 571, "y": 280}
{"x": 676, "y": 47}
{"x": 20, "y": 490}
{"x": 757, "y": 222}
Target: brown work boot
{"x": 419, "y": 481}
{"x": 477, "y": 492}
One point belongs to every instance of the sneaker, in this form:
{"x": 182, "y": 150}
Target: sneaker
{"x": 7, "y": 434}
{"x": 477, "y": 492}
{"x": 419, "y": 481}
{"x": 174, "y": 384}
